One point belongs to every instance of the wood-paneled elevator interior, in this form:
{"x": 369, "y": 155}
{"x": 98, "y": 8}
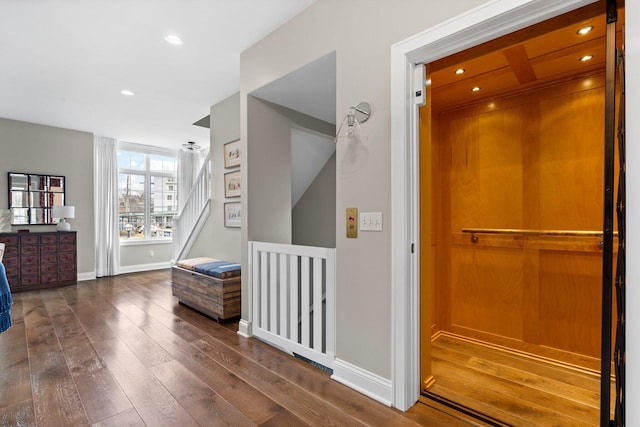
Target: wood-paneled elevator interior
{"x": 511, "y": 160}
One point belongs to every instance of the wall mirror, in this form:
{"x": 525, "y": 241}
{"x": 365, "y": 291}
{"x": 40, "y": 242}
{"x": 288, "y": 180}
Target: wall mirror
{"x": 31, "y": 197}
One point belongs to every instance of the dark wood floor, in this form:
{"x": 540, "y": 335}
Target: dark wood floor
{"x": 122, "y": 351}
{"x": 516, "y": 389}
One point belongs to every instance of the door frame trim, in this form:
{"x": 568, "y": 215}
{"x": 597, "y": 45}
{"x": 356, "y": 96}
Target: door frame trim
{"x": 489, "y": 21}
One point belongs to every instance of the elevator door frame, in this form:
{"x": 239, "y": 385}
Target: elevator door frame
{"x": 474, "y": 27}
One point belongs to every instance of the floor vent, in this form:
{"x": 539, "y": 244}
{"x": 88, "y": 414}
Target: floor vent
{"x": 312, "y": 363}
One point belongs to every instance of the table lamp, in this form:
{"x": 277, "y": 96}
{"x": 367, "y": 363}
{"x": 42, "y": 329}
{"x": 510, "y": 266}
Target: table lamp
{"x": 63, "y": 213}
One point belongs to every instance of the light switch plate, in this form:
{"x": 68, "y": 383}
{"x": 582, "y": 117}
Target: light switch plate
{"x": 371, "y": 221}
{"x": 352, "y": 223}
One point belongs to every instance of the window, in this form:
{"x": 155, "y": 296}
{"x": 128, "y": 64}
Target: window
{"x": 146, "y": 196}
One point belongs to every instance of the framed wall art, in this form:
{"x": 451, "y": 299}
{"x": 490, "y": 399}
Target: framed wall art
{"x": 232, "y": 154}
{"x": 232, "y": 216}
{"x": 232, "y": 184}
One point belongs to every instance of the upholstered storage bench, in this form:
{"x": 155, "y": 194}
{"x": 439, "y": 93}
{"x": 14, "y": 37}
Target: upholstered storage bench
{"x": 209, "y": 286}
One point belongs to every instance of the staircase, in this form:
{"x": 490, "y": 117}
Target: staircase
{"x": 193, "y": 215}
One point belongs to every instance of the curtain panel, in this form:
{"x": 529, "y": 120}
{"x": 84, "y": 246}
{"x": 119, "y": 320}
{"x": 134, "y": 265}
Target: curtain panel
{"x": 106, "y": 206}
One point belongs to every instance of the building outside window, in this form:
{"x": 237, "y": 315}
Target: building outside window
{"x": 147, "y": 197}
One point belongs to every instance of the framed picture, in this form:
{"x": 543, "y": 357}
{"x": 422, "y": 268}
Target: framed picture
{"x": 232, "y": 184}
{"x": 232, "y": 217}
{"x": 232, "y": 154}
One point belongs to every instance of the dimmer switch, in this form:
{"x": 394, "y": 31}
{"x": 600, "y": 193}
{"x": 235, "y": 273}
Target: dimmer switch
{"x": 352, "y": 223}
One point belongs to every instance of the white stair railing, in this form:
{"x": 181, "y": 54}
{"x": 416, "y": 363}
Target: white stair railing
{"x": 294, "y": 299}
{"x": 191, "y": 218}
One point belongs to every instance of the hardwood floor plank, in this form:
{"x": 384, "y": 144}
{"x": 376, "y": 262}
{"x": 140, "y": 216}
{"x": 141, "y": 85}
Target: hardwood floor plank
{"x": 423, "y": 413}
{"x": 101, "y": 395}
{"x": 41, "y": 336}
{"x": 511, "y": 397}
{"x": 284, "y": 420}
{"x": 251, "y": 402}
{"x": 590, "y": 398}
{"x": 155, "y": 405}
{"x": 129, "y": 418}
{"x": 15, "y": 380}
{"x": 310, "y": 410}
{"x": 547, "y": 370}
{"x": 55, "y": 397}
{"x": 20, "y": 414}
{"x": 204, "y": 404}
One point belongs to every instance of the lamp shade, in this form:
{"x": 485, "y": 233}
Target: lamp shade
{"x": 63, "y": 212}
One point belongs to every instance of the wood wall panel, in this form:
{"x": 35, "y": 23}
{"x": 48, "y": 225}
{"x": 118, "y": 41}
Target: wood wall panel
{"x": 571, "y": 161}
{"x": 486, "y": 290}
{"x": 530, "y": 161}
{"x": 570, "y": 301}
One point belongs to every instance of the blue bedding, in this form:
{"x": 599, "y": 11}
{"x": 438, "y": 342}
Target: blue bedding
{"x": 219, "y": 269}
{"x": 5, "y": 301}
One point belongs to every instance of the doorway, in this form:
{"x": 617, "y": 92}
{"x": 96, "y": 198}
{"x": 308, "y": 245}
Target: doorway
{"x": 511, "y": 189}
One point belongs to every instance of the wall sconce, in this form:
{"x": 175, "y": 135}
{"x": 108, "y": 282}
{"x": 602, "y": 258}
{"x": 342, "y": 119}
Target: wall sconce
{"x": 355, "y": 154}
{"x": 63, "y": 212}
{"x": 349, "y": 131}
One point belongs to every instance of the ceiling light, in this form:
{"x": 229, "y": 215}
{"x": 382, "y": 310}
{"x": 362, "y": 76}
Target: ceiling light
{"x": 586, "y": 58}
{"x": 585, "y": 30}
{"x": 475, "y": 89}
{"x": 127, "y": 92}
{"x": 460, "y": 71}
{"x": 173, "y": 39}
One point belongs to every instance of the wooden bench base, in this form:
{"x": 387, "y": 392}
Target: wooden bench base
{"x": 217, "y": 298}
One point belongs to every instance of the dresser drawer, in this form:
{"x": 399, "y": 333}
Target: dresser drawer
{"x": 48, "y": 277}
{"x": 67, "y": 266}
{"x": 9, "y": 240}
{"x": 47, "y": 239}
{"x": 29, "y": 250}
{"x": 49, "y": 258}
{"x": 48, "y": 268}
{"x": 29, "y": 239}
{"x": 10, "y": 262}
{"x": 67, "y": 257}
{"x": 30, "y": 259}
{"x": 46, "y": 249}
{"x": 30, "y": 280}
{"x": 29, "y": 270}
{"x": 68, "y": 276}
{"x": 67, "y": 238}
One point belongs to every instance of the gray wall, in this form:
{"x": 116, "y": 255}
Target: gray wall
{"x": 313, "y": 217}
{"x": 29, "y": 147}
{"x": 216, "y": 240}
{"x": 147, "y": 256}
{"x": 268, "y": 175}
{"x": 361, "y": 32}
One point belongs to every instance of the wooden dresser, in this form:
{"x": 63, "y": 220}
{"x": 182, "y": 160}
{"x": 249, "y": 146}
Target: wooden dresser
{"x": 38, "y": 260}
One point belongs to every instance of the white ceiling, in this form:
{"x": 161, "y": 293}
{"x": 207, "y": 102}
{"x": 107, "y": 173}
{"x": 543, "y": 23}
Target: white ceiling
{"x": 64, "y": 62}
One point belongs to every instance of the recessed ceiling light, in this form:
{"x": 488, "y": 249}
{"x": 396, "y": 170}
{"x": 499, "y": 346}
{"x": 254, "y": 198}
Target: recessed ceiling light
{"x": 475, "y": 89}
{"x": 173, "y": 39}
{"x": 586, "y": 58}
{"x": 585, "y": 30}
{"x": 127, "y": 92}
{"x": 460, "y": 71}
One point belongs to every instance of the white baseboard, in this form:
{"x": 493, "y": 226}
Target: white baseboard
{"x": 365, "y": 382}
{"x": 86, "y": 276}
{"x": 244, "y": 329}
{"x": 144, "y": 267}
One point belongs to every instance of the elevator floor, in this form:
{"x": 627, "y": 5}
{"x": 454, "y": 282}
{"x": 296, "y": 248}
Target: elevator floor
{"x": 513, "y": 388}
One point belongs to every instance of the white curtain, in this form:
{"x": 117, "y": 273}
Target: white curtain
{"x": 105, "y": 168}
{"x": 189, "y": 163}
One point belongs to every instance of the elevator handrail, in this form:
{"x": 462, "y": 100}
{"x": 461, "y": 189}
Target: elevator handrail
{"x": 528, "y": 232}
